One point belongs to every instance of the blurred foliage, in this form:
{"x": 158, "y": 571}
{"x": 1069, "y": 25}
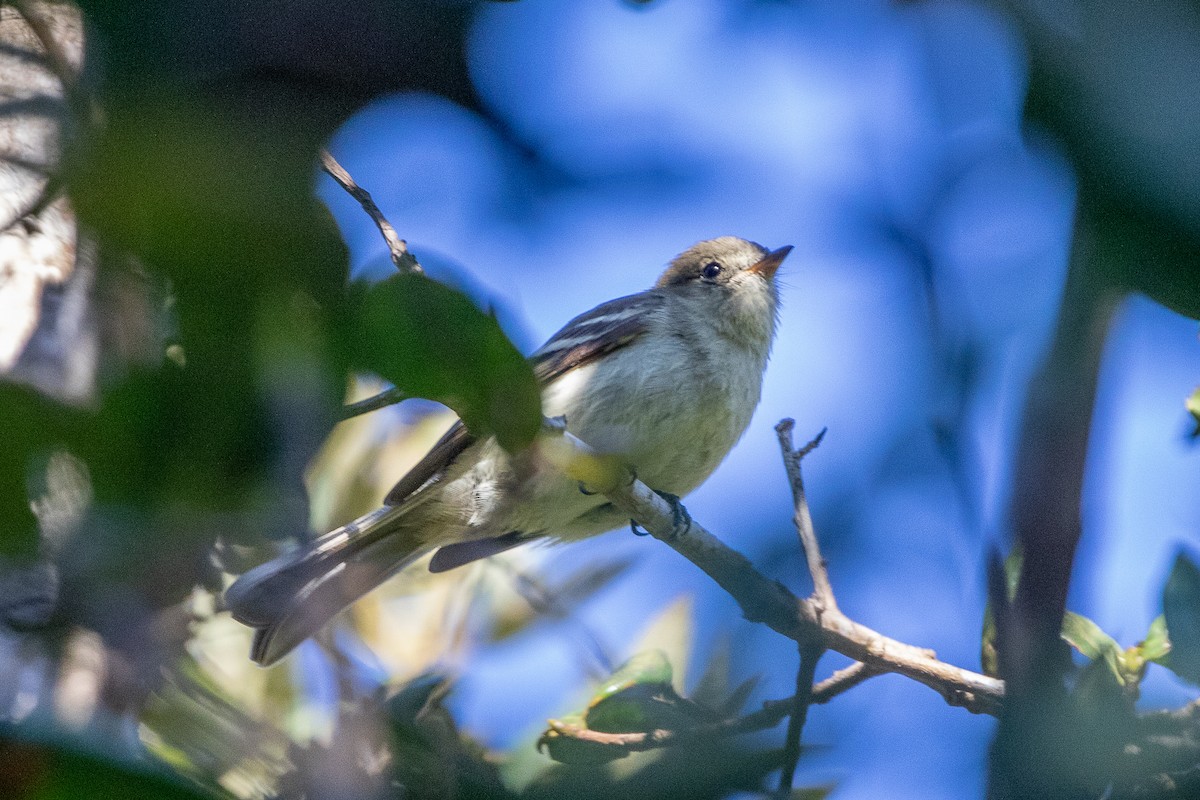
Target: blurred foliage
{"x": 1123, "y": 108}
{"x": 199, "y": 184}
{"x": 431, "y": 342}
{"x": 1181, "y": 613}
{"x": 35, "y": 769}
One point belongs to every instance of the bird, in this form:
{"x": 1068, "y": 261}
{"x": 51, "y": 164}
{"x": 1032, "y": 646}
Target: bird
{"x": 666, "y": 379}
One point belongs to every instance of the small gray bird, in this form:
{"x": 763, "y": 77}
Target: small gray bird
{"x": 667, "y": 379}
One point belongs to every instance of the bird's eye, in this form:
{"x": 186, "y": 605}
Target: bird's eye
{"x": 711, "y": 270}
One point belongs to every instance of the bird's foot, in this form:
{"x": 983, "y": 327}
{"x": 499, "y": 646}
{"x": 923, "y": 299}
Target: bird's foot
{"x": 680, "y": 518}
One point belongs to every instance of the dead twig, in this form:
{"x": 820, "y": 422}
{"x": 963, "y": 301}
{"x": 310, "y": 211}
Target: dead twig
{"x": 404, "y": 260}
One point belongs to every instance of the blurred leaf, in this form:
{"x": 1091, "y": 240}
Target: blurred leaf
{"x": 671, "y": 632}
{"x": 706, "y": 770}
{"x": 713, "y": 687}
{"x": 33, "y": 426}
{"x": 712, "y": 690}
{"x": 1181, "y": 610}
{"x": 191, "y": 723}
{"x": 639, "y": 697}
{"x": 58, "y": 770}
{"x": 430, "y": 341}
{"x": 643, "y": 707}
{"x": 1193, "y": 407}
{"x": 1087, "y": 637}
{"x": 650, "y": 667}
{"x": 1157, "y": 645}
{"x": 430, "y": 756}
{"x": 738, "y": 697}
{"x": 589, "y": 580}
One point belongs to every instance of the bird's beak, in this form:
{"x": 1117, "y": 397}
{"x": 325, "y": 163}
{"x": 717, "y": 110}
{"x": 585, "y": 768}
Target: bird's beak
{"x": 770, "y": 262}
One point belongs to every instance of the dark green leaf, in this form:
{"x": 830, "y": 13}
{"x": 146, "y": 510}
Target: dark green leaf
{"x": 430, "y": 341}
{"x": 45, "y": 768}
{"x": 1181, "y": 609}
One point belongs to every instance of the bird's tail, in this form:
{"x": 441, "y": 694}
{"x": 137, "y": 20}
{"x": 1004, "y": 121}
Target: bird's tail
{"x": 292, "y": 597}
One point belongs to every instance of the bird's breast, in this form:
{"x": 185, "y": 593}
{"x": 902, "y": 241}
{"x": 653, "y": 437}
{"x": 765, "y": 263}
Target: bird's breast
{"x": 670, "y": 408}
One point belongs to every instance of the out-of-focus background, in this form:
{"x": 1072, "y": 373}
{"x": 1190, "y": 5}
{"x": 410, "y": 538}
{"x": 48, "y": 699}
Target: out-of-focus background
{"x": 932, "y": 163}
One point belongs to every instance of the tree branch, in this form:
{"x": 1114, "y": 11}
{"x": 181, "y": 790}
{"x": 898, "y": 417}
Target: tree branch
{"x": 404, "y": 260}
{"x": 797, "y": 716}
{"x": 373, "y": 403}
{"x": 822, "y": 588}
{"x": 761, "y": 599}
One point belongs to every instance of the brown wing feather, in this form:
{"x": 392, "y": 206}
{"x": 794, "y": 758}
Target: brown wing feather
{"x": 433, "y": 464}
{"x": 607, "y": 327}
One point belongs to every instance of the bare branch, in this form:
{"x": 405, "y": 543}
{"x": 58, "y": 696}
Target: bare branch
{"x": 771, "y": 714}
{"x": 404, "y": 260}
{"x": 373, "y": 403}
{"x": 822, "y": 589}
{"x": 842, "y": 681}
{"x": 769, "y": 602}
{"x": 809, "y": 656}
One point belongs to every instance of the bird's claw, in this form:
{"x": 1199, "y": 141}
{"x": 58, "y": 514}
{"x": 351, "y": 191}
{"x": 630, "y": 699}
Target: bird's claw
{"x": 681, "y": 520}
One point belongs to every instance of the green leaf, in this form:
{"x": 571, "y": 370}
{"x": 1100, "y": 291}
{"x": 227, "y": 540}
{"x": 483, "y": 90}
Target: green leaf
{"x": 1181, "y": 610}
{"x": 432, "y": 342}
{"x": 49, "y": 766}
{"x": 650, "y": 667}
{"x": 1157, "y": 645}
{"x": 1087, "y": 637}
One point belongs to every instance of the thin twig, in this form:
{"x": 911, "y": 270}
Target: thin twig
{"x": 373, "y": 403}
{"x": 809, "y": 656}
{"x": 771, "y": 714}
{"x": 842, "y": 681}
{"x": 769, "y": 602}
{"x": 768, "y": 716}
{"x": 404, "y": 260}
{"x": 822, "y": 588}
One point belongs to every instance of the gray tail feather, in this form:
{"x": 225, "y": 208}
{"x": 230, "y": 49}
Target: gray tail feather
{"x": 292, "y": 597}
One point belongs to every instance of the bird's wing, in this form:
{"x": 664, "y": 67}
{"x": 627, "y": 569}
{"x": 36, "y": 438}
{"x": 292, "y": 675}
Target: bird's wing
{"x": 607, "y": 327}
{"x": 433, "y": 465}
